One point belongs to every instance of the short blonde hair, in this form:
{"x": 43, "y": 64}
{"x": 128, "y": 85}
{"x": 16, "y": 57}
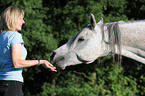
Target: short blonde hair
{"x": 10, "y": 18}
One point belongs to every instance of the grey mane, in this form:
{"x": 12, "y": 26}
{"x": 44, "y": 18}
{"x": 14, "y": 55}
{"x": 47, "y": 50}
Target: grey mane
{"x": 114, "y": 38}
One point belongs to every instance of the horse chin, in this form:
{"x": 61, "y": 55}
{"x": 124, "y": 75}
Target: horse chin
{"x": 59, "y": 65}
{"x": 59, "y": 68}
{"x": 62, "y": 65}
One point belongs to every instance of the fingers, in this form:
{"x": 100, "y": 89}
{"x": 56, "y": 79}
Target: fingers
{"x": 50, "y": 66}
{"x": 53, "y": 69}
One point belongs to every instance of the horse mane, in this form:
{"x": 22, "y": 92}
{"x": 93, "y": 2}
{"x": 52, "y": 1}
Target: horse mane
{"x": 113, "y": 38}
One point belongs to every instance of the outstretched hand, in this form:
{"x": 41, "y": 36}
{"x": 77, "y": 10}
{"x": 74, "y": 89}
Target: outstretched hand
{"x": 47, "y": 64}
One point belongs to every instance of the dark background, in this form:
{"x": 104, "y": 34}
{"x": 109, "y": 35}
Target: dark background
{"x": 51, "y": 23}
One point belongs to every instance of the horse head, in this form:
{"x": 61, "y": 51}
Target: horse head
{"x": 84, "y": 47}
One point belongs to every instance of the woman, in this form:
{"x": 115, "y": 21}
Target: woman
{"x": 13, "y": 53}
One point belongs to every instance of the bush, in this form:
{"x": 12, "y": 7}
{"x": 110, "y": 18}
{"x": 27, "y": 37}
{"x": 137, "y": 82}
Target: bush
{"x": 107, "y": 80}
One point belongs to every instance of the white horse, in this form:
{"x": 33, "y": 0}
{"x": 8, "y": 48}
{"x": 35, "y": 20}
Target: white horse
{"x": 98, "y": 39}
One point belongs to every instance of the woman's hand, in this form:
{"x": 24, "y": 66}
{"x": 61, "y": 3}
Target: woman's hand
{"x": 46, "y": 64}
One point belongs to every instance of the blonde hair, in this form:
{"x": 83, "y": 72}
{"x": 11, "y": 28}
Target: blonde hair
{"x": 10, "y": 18}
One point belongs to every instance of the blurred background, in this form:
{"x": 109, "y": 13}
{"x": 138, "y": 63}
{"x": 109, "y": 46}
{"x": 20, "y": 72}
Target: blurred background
{"x": 51, "y": 23}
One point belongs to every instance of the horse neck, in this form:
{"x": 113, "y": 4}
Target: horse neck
{"x": 132, "y": 34}
{"x": 131, "y": 39}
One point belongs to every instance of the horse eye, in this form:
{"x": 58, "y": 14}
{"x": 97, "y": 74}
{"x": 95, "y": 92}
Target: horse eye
{"x": 81, "y": 39}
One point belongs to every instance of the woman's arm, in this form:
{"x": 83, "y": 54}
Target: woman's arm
{"x": 18, "y": 63}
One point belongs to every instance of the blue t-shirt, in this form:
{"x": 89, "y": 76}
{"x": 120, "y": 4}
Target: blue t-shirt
{"x": 7, "y": 70}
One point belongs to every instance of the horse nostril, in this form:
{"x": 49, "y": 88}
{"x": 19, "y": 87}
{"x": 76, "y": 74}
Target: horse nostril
{"x": 52, "y": 56}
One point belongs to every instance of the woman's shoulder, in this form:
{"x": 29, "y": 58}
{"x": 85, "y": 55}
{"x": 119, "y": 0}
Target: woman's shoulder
{"x": 14, "y": 37}
{"x": 12, "y": 33}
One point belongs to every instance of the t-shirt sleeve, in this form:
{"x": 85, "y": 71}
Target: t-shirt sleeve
{"x": 16, "y": 39}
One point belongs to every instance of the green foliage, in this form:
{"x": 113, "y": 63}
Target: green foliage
{"x": 66, "y": 88}
{"x": 106, "y": 81}
{"x": 114, "y": 10}
{"x": 51, "y": 23}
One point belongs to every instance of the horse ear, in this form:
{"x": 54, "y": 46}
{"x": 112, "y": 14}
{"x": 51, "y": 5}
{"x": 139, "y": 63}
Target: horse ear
{"x": 101, "y": 21}
{"x": 92, "y": 21}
